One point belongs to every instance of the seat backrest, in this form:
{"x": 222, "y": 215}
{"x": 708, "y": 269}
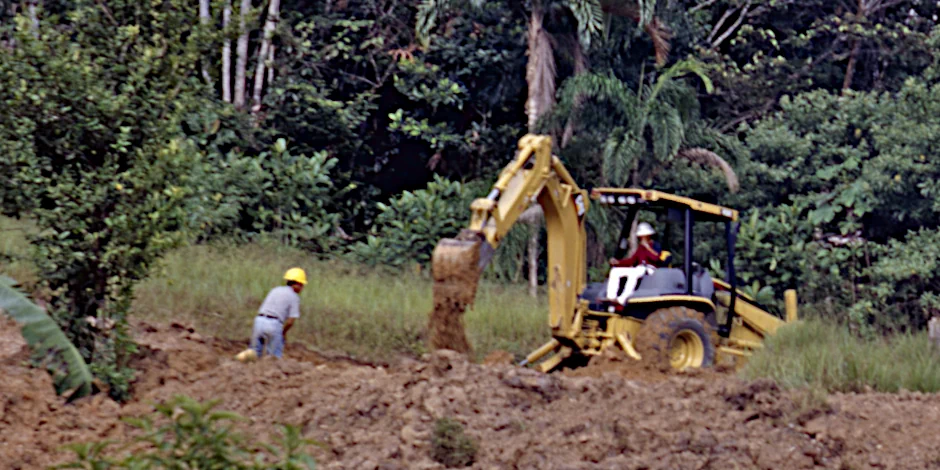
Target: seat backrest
{"x": 664, "y": 281}
{"x": 702, "y": 284}
{"x": 671, "y": 281}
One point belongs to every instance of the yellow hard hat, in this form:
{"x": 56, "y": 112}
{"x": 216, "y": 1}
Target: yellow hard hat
{"x": 664, "y": 255}
{"x": 296, "y": 275}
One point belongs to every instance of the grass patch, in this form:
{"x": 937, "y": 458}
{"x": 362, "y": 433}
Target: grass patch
{"x": 820, "y": 355}
{"x": 14, "y": 250}
{"x": 450, "y": 446}
{"x": 344, "y": 307}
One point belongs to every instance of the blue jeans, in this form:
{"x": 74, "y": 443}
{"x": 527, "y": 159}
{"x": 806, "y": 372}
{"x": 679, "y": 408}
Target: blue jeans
{"x": 267, "y": 335}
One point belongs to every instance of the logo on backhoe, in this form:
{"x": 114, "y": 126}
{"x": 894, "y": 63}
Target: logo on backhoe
{"x": 579, "y": 203}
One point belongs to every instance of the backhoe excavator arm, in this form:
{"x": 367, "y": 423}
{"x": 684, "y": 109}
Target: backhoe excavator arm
{"x": 534, "y": 175}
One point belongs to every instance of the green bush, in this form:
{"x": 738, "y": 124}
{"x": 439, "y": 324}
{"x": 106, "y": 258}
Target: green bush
{"x": 275, "y": 193}
{"x": 450, "y": 446}
{"x": 194, "y": 436}
{"x": 98, "y": 158}
{"x": 409, "y": 226}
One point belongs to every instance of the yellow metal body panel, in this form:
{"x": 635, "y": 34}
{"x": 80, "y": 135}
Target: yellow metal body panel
{"x": 535, "y": 175}
{"x": 789, "y": 300}
{"x": 670, "y": 199}
{"x": 705, "y": 304}
{"x": 724, "y": 285}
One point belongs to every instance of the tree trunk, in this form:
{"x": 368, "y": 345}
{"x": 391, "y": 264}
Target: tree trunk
{"x": 226, "y": 53}
{"x": 533, "y": 250}
{"x": 533, "y": 217}
{"x": 241, "y": 54}
{"x": 933, "y": 327}
{"x": 580, "y": 66}
{"x": 850, "y": 68}
{"x": 34, "y": 16}
{"x": 205, "y": 19}
{"x": 540, "y": 77}
{"x": 271, "y": 67}
{"x": 264, "y": 53}
{"x": 540, "y": 70}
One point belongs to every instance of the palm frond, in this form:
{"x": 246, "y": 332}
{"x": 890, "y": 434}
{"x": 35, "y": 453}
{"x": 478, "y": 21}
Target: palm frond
{"x": 647, "y": 10}
{"x": 426, "y": 19}
{"x": 540, "y": 70}
{"x": 46, "y": 339}
{"x": 643, "y": 13}
{"x": 607, "y": 88}
{"x": 429, "y": 11}
{"x": 676, "y": 71}
{"x": 621, "y": 153}
{"x": 590, "y": 18}
{"x": 584, "y": 87}
{"x": 660, "y": 35}
{"x": 711, "y": 159}
{"x": 668, "y": 131}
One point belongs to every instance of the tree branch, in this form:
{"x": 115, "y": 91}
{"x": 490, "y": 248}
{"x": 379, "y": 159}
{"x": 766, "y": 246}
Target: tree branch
{"x": 733, "y": 28}
{"x": 704, "y": 4}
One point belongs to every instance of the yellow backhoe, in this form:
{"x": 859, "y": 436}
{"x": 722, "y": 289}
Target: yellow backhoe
{"x": 676, "y": 316}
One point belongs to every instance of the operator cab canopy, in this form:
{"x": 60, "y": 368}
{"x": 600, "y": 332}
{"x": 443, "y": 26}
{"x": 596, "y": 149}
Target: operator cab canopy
{"x": 656, "y": 200}
{"x": 691, "y": 279}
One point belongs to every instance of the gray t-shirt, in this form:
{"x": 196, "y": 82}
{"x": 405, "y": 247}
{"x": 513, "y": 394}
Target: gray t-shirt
{"x": 282, "y": 302}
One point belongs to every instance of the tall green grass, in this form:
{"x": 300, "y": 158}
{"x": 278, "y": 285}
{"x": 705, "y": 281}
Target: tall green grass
{"x": 374, "y": 314}
{"x": 344, "y": 307}
{"x": 821, "y": 355}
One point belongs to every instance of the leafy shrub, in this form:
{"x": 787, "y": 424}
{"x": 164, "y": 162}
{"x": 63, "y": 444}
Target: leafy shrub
{"x": 98, "y": 158}
{"x": 194, "y": 435}
{"x": 409, "y": 226}
{"x": 905, "y": 279}
{"x": 275, "y": 193}
{"x": 450, "y": 446}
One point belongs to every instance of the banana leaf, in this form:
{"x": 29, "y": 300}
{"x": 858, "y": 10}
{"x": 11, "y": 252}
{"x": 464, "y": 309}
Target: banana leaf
{"x": 69, "y": 371}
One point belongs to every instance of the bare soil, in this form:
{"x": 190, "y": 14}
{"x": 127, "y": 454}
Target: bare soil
{"x": 456, "y": 276}
{"x": 604, "y": 416}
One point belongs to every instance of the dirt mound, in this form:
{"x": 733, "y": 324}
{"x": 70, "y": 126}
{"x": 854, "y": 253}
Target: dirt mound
{"x": 456, "y": 274}
{"x": 383, "y": 417}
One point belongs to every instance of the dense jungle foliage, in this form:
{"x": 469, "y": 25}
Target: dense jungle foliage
{"x": 362, "y": 129}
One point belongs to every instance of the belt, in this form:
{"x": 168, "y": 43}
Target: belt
{"x": 265, "y": 315}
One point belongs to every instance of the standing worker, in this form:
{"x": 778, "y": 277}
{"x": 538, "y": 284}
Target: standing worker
{"x": 277, "y": 315}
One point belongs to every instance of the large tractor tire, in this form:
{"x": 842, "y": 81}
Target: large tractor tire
{"x": 677, "y": 337}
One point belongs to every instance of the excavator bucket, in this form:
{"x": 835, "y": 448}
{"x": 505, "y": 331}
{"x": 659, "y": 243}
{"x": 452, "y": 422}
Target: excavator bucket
{"x": 456, "y": 265}
{"x": 468, "y": 249}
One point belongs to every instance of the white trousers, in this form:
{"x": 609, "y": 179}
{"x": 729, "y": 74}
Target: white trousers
{"x": 633, "y": 276}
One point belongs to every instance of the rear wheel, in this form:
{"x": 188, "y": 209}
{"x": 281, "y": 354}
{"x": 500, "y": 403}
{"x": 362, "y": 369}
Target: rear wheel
{"x": 677, "y": 337}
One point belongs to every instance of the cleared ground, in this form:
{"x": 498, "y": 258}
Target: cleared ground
{"x": 605, "y": 416}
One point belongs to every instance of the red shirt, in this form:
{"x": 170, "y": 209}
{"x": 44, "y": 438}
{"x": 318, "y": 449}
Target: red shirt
{"x": 643, "y": 255}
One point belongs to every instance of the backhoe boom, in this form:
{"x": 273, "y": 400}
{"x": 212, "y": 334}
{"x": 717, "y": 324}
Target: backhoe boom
{"x": 534, "y": 175}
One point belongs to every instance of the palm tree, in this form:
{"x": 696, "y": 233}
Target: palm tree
{"x": 590, "y": 17}
{"x": 644, "y": 131}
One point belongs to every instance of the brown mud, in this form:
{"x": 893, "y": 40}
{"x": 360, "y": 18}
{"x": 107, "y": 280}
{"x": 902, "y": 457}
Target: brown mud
{"x": 603, "y": 416}
{"x": 456, "y": 276}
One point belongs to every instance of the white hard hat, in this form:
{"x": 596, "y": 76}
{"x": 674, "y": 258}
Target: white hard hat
{"x": 644, "y": 230}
